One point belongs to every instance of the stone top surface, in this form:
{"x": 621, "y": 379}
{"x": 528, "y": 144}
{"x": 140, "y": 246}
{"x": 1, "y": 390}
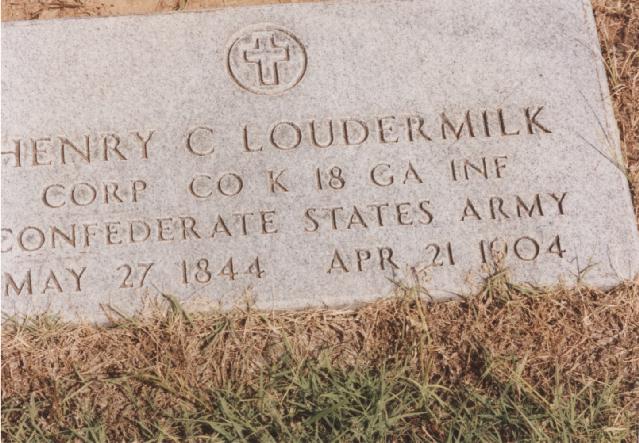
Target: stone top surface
{"x": 307, "y": 155}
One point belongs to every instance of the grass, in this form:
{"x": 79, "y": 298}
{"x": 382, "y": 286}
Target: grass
{"x": 512, "y": 363}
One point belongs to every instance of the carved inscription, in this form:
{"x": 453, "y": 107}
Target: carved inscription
{"x": 58, "y": 150}
{"x": 123, "y": 223}
{"x": 266, "y": 59}
{"x": 287, "y": 135}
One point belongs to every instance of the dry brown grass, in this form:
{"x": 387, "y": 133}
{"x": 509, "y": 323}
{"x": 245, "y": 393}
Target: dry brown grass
{"x": 584, "y": 334}
{"x": 618, "y": 27}
{"x": 502, "y": 352}
{"x": 43, "y": 9}
{"x": 533, "y": 346}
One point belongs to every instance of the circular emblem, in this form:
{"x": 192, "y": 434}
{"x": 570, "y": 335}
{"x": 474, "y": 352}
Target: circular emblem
{"x": 266, "y": 59}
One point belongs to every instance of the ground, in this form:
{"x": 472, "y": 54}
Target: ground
{"x": 511, "y": 364}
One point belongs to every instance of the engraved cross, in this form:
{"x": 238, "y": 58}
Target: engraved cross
{"x": 266, "y": 55}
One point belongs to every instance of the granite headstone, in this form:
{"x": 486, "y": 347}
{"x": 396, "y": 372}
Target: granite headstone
{"x": 308, "y": 155}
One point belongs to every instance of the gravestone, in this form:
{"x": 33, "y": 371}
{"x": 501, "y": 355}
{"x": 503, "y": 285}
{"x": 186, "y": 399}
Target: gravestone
{"x": 307, "y": 155}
